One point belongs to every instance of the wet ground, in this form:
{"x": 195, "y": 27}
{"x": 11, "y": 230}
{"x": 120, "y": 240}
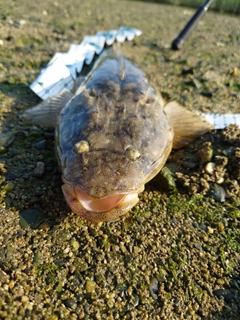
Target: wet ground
{"x": 176, "y": 254}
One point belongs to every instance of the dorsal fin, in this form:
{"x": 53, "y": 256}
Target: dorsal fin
{"x": 118, "y": 52}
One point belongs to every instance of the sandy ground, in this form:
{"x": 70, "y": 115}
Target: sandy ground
{"x": 176, "y": 254}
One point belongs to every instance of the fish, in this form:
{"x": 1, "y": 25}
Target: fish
{"x": 113, "y": 134}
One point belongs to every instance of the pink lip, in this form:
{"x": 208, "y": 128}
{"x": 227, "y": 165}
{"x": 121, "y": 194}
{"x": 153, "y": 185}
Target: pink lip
{"x": 98, "y": 210}
{"x": 98, "y": 205}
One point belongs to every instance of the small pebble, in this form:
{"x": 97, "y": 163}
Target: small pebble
{"x": 2, "y": 150}
{"x": 4, "y": 277}
{"x": 217, "y": 192}
{"x": 210, "y": 230}
{"x": 209, "y": 168}
{"x": 189, "y": 165}
{"x": 11, "y": 285}
{"x": 220, "y": 226}
{"x": 40, "y": 145}
{"x": 25, "y": 299}
{"x": 90, "y": 286}
{"x": 154, "y": 288}
{"x": 234, "y": 71}
{"x": 207, "y": 94}
{"x": 22, "y": 22}
{"x": 31, "y": 218}
{"x": 135, "y": 300}
{"x": 9, "y": 186}
{"x": 186, "y": 71}
{"x": 226, "y": 294}
{"x": 19, "y": 23}
{"x": 75, "y": 244}
{"x": 26, "y": 176}
{"x": 220, "y": 180}
{"x": 220, "y": 44}
{"x": 11, "y": 176}
{"x": 10, "y": 21}
{"x": 6, "y": 139}
{"x": 39, "y": 170}
{"x": 70, "y": 303}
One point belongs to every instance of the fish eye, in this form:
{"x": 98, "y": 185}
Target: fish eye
{"x": 132, "y": 154}
{"x": 81, "y": 146}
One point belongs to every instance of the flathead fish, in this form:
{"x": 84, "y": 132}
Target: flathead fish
{"x": 113, "y": 135}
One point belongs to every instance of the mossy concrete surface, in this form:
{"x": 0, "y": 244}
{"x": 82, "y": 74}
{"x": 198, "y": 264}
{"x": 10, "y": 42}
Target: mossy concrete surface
{"x": 176, "y": 254}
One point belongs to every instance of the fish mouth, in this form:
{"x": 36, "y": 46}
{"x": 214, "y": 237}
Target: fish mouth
{"x": 98, "y": 210}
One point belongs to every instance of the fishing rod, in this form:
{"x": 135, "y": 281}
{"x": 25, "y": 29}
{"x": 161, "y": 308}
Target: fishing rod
{"x": 191, "y": 25}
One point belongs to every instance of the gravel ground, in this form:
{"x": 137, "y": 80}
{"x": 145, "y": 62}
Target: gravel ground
{"x": 176, "y": 254}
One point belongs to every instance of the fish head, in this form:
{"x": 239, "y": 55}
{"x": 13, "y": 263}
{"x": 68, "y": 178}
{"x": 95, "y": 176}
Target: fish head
{"x": 107, "y": 157}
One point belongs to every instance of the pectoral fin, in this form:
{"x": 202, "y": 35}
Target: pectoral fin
{"x": 46, "y": 112}
{"x": 187, "y": 126}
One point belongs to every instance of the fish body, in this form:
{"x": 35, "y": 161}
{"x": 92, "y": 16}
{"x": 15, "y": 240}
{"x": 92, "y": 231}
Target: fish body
{"x": 113, "y": 136}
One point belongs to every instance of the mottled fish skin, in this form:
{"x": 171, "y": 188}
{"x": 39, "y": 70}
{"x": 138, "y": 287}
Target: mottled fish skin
{"x": 129, "y": 138}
